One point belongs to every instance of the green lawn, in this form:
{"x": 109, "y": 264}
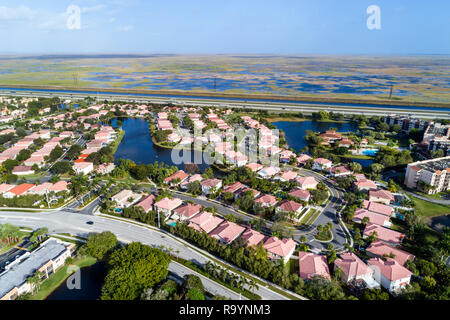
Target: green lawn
{"x": 428, "y": 209}
{"x": 56, "y": 279}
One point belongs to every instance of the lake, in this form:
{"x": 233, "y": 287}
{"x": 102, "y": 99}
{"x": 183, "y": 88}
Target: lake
{"x": 137, "y": 145}
{"x": 91, "y": 284}
{"x": 296, "y": 131}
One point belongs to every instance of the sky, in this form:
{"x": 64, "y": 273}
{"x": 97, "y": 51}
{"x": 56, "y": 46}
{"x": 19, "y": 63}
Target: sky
{"x": 331, "y": 27}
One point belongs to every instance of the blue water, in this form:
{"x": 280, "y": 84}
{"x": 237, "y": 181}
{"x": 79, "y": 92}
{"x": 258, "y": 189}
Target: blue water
{"x": 172, "y": 224}
{"x": 137, "y": 145}
{"x": 369, "y": 152}
{"x": 296, "y": 131}
{"x": 287, "y": 102}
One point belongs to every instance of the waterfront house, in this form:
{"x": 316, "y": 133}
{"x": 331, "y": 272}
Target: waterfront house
{"x": 365, "y": 185}
{"x": 83, "y": 167}
{"x": 176, "y": 178}
{"x": 321, "y": 164}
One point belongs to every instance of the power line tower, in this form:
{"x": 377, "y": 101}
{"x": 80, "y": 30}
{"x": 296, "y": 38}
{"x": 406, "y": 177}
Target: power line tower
{"x": 75, "y": 79}
{"x": 215, "y": 82}
{"x": 390, "y": 93}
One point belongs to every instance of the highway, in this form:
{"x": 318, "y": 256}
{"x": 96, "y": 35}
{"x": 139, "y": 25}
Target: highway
{"x": 288, "y": 106}
{"x": 76, "y": 224}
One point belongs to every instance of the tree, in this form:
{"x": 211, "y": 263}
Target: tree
{"x": 195, "y": 294}
{"x": 99, "y": 244}
{"x": 35, "y": 281}
{"x": 191, "y": 281}
{"x": 61, "y": 167}
{"x": 56, "y": 153}
{"x": 132, "y": 269}
{"x": 375, "y": 294}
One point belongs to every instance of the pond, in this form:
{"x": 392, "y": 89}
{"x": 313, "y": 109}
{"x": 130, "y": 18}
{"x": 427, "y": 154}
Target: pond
{"x": 137, "y": 145}
{"x": 296, "y": 131}
{"x": 92, "y": 278}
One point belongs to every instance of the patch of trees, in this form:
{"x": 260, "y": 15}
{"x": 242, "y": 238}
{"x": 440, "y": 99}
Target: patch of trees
{"x": 132, "y": 269}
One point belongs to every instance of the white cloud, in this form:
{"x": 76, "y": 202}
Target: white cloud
{"x": 126, "y": 28}
{"x": 112, "y": 19}
{"x": 93, "y": 9}
{"x": 19, "y": 13}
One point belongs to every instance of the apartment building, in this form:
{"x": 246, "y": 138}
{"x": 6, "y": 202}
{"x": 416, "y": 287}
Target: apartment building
{"x": 430, "y": 176}
{"x": 50, "y": 256}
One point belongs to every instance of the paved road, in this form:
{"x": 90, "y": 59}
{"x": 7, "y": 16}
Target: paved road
{"x": 75, "y": 224}
{"x": 210, "y": 286}
{"x": 367, "y": 110}
{"x": 421, "y": 197}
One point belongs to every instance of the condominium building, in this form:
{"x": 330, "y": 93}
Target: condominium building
{"x": 437, "y": 136}
{"x": 407, "y": 123}
{"x": 49, "y": 257}
{"x": 430, "y": 176}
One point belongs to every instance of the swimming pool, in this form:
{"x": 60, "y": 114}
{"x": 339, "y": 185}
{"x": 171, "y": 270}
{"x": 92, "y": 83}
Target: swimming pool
{"x": 370, "y": 152}
{"x": 172, "y": 224}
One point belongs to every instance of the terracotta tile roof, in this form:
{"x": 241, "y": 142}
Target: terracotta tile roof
{"x": 279, "y": 247}
{"x": 352, "y": 266}
{"x": 289, "y": 206}
{"x": 384, "y": 234}
{"x": 311, "y": 265}
{"x": 188, "y": 210}
{"x": 22, "y": 188}
{"x": 252, "y": 237}
{"x": 227, "y": 231}
{"x": 380, "y": 248}
{"x": 390, "y": 269}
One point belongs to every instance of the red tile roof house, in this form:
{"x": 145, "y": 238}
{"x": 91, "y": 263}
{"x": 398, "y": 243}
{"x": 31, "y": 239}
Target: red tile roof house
{"x": 289, "y": 206}
{"x": 286, "y": 176}
{"x": 365, "y": 185}
{"x": 339, "y": 171}
{"x": 105, "y": 168}
{"x": 254, "y": 166}
{"x": 378, "y": 208}
{"x": 306, "y": 182}
{"x": 41, "y": 189}
{"x": 279, "y": 249}
{"x": 83, "y": 167}
{"x": 5, "y": 187}
{"x": 346, "y": 143}
{"x": 234, "y": 187}
{"x": 167, "y": 205}
{"x": 241, "y": 192}
{"x": 205, "y": 221}
{"x": 379, "y": 249}
{"x": 196, "y": 177}
{"x": 303, "y": 158}
{"x": 383, "y": 196}
{"x": 312, "y": 265}
{"x": 300, "y": 194}
{"x": 266, "y": 200}
{"x": 322, "y": 164}
{"x": 252, "y": 237}
{"x": 286, "y": 155}
{"x": 35, "y": 159}
{"x": 186, "y": 211}
{"x": 390, "y": 274}
{"x": 391, "y": 237}
{"x": 176, "y": 178}
{"x": 353, "y": 268}
{"x": 146, "y": 203}
{"x": 22, "y": 170}
{"x": 268, "y": 172}
{"x": 376, "y": 218}
{"x": 210, "y": 184}
{"x": 227, "y": 232}
{"x": 18, "y": 191}
{"x": 60, "y": 186}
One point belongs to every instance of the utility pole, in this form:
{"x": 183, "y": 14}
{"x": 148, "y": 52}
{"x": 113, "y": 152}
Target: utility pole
{"x": 159, "y": 225}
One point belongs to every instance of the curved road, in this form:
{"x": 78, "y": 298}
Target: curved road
{"x": 75, "y": 224}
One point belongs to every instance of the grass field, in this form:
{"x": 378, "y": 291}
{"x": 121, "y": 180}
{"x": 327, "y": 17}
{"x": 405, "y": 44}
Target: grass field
{"x": 56, "y": 279}
{"x": 428, "y": 209}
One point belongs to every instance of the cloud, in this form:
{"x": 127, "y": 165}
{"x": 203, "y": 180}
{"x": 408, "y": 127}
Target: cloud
{"x": 19, "y": 13}
{"x": 112, "y": 19}
{"x": 126, "y": 28}
{"x": 93, "y": 9}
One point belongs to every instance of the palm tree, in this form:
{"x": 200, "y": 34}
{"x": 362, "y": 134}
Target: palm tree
{"x": 35, "y": 281}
